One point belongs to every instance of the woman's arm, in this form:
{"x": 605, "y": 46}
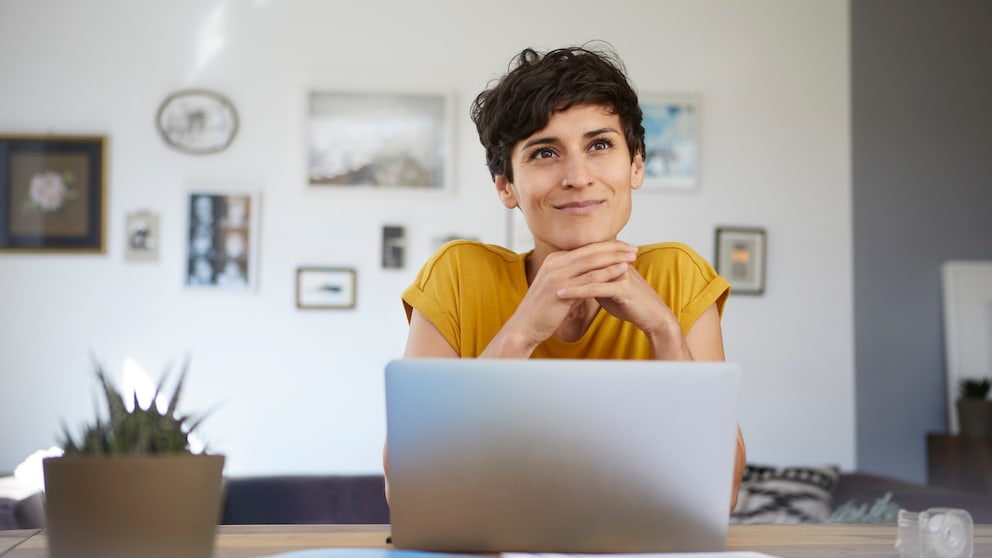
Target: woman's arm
{"x": 705, "y": 342}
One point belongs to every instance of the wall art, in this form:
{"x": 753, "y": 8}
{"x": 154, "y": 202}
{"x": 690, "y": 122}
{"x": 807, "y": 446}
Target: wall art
{"x": 393, "y": 247}
{"x": 671, "y": 141}
{"x": 141, "y": 236}
{"x": 222, "y": 240}
{"x": 740, "y": 258}
{"x": 360, "y": 140}
{"x": 323, "y": 288}
{"x": 53, "y": 193}
{"x": 197, "y": 121}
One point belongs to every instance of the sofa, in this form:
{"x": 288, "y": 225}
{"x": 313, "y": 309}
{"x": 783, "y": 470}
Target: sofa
{"x": 359, "y": 499}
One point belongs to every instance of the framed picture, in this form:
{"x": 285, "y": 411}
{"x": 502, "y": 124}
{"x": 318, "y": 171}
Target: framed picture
{"x": 393, "y": 247}
{"x": 671, "y": 141}
{"x": 740, "y": 258}
{"x": 53, "y": 193}
{"x": 375, "y": 141}
{"x": 197, "y": 121}
{"x": 518, "y": 236}
{"x": 325, "y": 288}
{"x": 222, "y": 240}
{"x": 141, "y": 236}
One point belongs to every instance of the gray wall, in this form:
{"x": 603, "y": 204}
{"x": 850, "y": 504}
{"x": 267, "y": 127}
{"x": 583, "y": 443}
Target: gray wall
{"x": 922, "y": 177}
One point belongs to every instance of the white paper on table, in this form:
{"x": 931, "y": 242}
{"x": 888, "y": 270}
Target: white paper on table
{"x": 642, "y": 555}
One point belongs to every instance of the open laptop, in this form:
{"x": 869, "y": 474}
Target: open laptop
{"x": 549, "y": 455}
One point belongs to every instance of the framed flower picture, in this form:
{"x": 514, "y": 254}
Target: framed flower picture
{"x": 53, "y": 193}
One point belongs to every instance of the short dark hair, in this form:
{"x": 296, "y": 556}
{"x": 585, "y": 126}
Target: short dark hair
{"x": 537, "y": 85}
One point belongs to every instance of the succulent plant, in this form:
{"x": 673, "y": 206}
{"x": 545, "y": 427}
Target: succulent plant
{"x": 136, "y": 432}
{"x": 970, "y": 388}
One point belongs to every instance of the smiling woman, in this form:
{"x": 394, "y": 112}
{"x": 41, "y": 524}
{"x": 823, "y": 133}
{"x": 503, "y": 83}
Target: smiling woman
{"x": 565, "y": 146}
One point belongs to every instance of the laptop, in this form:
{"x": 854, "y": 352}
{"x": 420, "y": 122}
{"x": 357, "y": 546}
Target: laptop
{"x": 552, "y": 455}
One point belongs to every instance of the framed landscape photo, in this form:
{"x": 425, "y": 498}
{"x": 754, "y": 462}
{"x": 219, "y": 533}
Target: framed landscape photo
{"x": 323, "y": 288}
{"x": 222, "y": 240}
{"x": 671, "y": 141}
{"x": 53, "y": 194}
{"x": 379, "y": 141}
{"x": 740, "y": 258}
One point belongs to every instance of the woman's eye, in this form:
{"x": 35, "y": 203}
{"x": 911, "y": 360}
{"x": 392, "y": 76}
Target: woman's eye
{"x": 601, "y": 144}
{"x": 542, "y": 153}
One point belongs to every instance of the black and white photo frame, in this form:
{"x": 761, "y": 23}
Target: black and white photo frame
{"x": 222, "y": 239}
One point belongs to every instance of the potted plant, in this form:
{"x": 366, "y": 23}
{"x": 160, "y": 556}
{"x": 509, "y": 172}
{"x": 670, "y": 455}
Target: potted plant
{"x": 974, "y": 408}
{"x": 131, "y": 486}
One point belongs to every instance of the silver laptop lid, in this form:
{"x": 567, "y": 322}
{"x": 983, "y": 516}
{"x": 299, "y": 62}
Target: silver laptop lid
{"x": 547, "y": 455}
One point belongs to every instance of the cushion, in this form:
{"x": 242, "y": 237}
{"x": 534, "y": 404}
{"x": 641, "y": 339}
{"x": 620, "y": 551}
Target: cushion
{"x": 785, "y": 495}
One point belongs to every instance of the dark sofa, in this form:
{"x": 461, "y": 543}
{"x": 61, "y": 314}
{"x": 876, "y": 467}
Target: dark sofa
{"x": 360, "y": 499}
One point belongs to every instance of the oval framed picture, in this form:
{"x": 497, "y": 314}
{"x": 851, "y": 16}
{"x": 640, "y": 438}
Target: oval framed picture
{"x": 197, "y": 121}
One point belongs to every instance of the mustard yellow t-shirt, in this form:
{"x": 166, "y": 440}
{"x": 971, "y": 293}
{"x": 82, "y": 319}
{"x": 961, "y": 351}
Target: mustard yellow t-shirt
{"x": 468, "y": 290}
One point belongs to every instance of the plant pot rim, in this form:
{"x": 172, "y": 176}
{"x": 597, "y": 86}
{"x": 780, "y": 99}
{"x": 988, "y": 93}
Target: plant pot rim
{"x": 135, "y": 457}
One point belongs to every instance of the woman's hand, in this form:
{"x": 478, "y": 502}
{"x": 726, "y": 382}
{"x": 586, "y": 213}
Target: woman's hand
{"x": 543, "y": 310}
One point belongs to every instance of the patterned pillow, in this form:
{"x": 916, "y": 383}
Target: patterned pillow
{"x": 787, "y": 495}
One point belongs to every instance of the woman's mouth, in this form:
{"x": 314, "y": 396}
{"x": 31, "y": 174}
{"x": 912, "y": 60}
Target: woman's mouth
{"x": 584, "y": 207}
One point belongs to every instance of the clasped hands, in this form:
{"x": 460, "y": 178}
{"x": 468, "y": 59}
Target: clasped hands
{"x": 602, "y": 271}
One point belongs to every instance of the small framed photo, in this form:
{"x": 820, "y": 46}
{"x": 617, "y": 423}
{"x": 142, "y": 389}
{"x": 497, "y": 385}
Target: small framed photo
{"x": 53, "y": 193}
{"x": 379, "y": 141}
{"x": 222, "y": 240}
{"x": 740, "y": 258}
{"x": 141, "y": 236}
{"x": 393, "y": 247}
{"x": 671, "y": 141}
{"x": 324, "y": 288}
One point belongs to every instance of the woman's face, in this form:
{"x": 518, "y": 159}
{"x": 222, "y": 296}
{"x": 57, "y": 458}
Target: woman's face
{"x": 573, "y": 179}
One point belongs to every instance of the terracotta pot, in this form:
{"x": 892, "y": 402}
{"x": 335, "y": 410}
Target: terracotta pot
{"x": 975, "y": 417}
{"x": 116, "y": 507}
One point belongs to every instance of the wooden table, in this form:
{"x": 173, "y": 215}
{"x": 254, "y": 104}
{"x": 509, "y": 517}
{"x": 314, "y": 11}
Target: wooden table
{"x": 785, "y": 541}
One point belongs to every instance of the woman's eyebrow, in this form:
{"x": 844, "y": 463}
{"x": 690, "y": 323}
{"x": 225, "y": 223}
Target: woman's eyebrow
{"x": 552, "y": 139}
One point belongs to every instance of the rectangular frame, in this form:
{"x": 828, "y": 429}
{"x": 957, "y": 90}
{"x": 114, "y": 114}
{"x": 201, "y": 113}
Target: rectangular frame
{"x": 53, "y": 193}
{"x": 740, "y": 258}
{"x": 222, "y": 239}
{"x": 141, "y": 238}
{"x": 967, "y": 300}
{"x": 671, "y": 141}
{"x": 325, "y": 288}
{"x": 374, "y": 141}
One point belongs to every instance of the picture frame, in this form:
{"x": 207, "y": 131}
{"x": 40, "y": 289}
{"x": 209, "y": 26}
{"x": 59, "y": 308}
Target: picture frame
{"x": 740, "y": 258}
{"x": 373, "y": 141}
{"x": 141, "y": 239}
{"x": 671, "y": 141}
{"x": 393, "y": 247}
{"x": 197, "y": 121}
{"x": 53, "y": 194}
{"x": 325, "y": 288}
{"x": 222, "y": 239}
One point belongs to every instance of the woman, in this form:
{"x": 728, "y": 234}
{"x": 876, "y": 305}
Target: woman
{"x": 564, "y": 144}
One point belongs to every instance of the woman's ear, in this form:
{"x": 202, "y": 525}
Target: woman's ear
{"x": 637, "y": 171}
{"x": 504, "y": 189}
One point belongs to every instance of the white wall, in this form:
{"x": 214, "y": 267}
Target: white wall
{"x": 302, "y": 391}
